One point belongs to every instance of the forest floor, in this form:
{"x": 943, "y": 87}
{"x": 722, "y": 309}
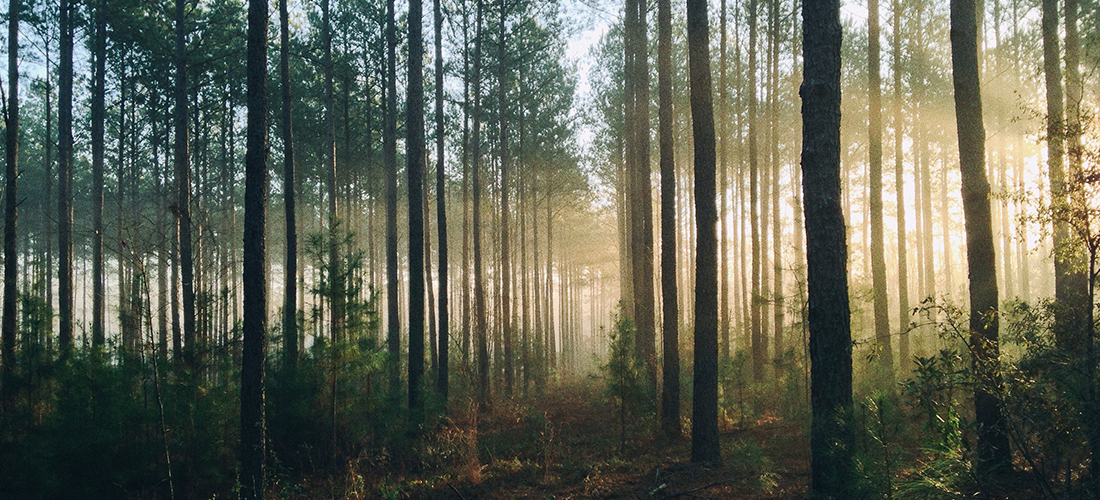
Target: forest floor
{"x": 568, "y": 444}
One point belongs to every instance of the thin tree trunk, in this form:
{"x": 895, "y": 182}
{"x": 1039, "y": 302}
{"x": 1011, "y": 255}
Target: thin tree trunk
{"x": 99, "y": 66}
{"x": 465, "y": 189}
{"x": 723, "y": 207}
{"x": 670, "y": 395}
{"x": 336, "y": 275}
{"x": 777, "y": 217}
{"x": 441, "y": 212}
{"x": 389, "y": 154}
{"x": 551, "y": 334}
{"x": 11, "y": 198}
{"x": 883, "y": 352}
{"x": 540, "y": 344}
{"x": 899, "y": 188}
{"x": 65, "y": 184}
{"x": 290, "y": 309}
{"x": 505, "y": 256}
{"x": 428, "y": 288}
{"x": 183, "y": 188}
{"x": 480, "y": 320}
{"x": 48, "y": 159}
{"x": 759, "y": 351}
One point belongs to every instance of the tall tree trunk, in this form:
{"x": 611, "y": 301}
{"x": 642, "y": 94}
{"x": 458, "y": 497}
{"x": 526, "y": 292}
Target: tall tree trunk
{"x": 505, "y": 255}
{"x": 723, "y": 188}
{"x": 826, "y": 252}
{"x": 927, "y": 233}
{"x": 759, "y": 350}
{"x": 993, "y": 452}
{"x": 290, "y": 309}
{"x": 441, "y": 211}
{"x": 414, "y": 165}
{"x": 641, "y": 216}
{"x": 65, "y": 183}
{"x": 1079, "y": 295}
{"x": 551, "y": 337}
{"x": 11, "y": 198}
{"x": 48, "y": 160}
{"x": 899, "y": 188}
{"x": 1068, "y": 291}
{"x": 429, "y": 309}
{"x": 125, "y": 315}
{"x": 540, "y": 344}
{"x": 480, "y": 320}
{"x": 183, "y": 187}
{"x": 389, "y": 154}
{"x": 777, "y": 216}
{"x": 99, "y": 66}
{"x": 253, "y": 472}
{"x": 524, "y": 271}
{"x": 883, "y": 352}
{"x": 704, "y": 412}
{"x": 336, "y": 275}
{"x": 670, "y": 394}
{"x": 465, "y": 188}
{"x": 163, "y": 242}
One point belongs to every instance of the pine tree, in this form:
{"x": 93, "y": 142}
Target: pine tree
{"x": 826, "y": 252}
{"x": 993, "y": 452}
{"x": 704, "y": 415}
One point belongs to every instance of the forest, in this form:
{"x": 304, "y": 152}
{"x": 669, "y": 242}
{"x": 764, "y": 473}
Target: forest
{"x": 509, "y": 249}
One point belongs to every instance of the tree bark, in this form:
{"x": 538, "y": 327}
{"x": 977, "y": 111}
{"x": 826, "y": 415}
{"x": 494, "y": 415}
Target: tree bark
{"x": 723, "y": 207}
{"x": 505, "y": 255}
{"x": 290, "y": 309}
{"x": 441, "y": 211}
{"x": 414, "y": 164}
{"x": 899, "y": 188}
{"x": 99, "y": 66}
{"x": 670, "y": 394}
{"x": 704, "y": 413}
{"x": 641, "y": 207}
{"x": 389, "y": 155}
{"x": 183, "y": 188}
{"x": 826, "y": 252}
{"x": 336, "y": 280}
{"x": 883, "y": 353}
{"x": 253, "y": 471}
{"x": 65, "y": 183}
{"x": 759, "y": 349}
{"x": 993, "y": 452}
{"x": 11, "y": 200}
{"x": 480, "y": 323}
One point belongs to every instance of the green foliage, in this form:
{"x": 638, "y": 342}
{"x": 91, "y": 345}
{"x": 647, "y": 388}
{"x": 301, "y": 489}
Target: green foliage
{"x": 753, "y": 463}
{"x": 736, "y": 395}
{"x": 624, "y": 377}
{"x": 881, "y": 445}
